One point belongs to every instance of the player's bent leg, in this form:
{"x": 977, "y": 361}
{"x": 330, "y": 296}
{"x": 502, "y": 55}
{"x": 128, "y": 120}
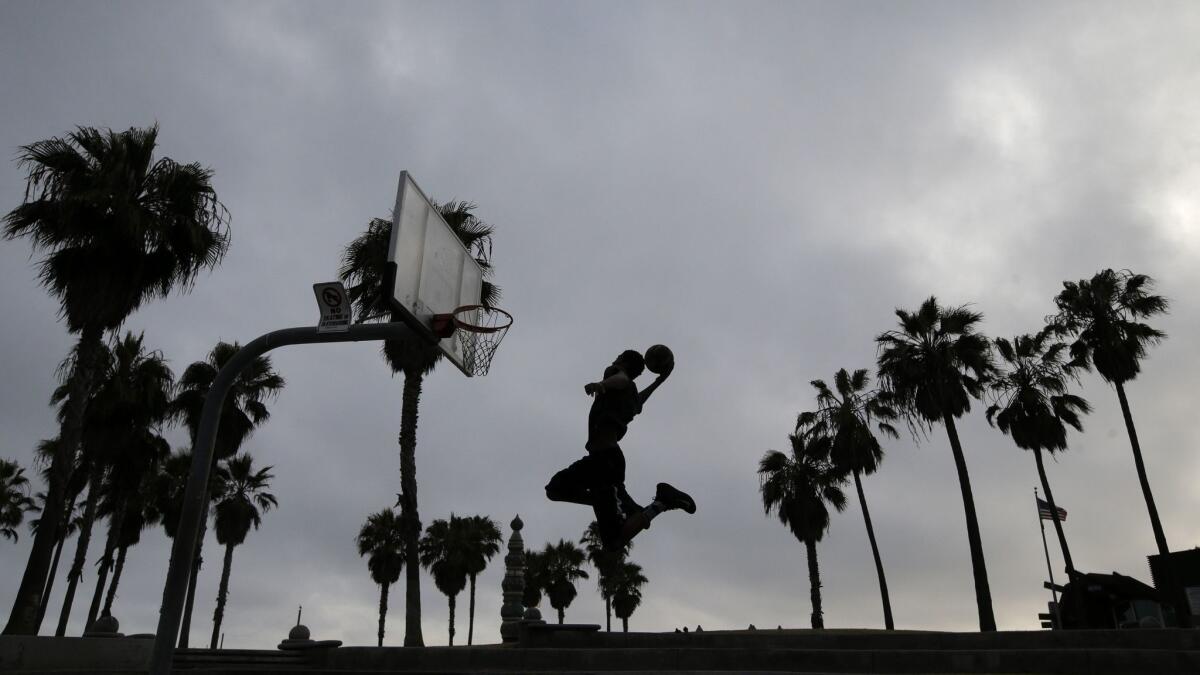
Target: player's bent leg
{"x": 634, "y": 526}
{"x": 558, "y": 492}
{"x": 574, "y": 483}
{"x": 666, "y": 498}
{"x": 609, "y": 519}
{"x": 626, "y": 502}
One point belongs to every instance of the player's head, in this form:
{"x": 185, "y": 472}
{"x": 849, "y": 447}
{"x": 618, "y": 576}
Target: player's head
{"x": 631, "y": 362}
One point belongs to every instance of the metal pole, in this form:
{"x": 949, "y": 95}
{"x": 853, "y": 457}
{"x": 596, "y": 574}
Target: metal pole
{"x": 1049, "y": 567}
{"x": 184, "y": 545}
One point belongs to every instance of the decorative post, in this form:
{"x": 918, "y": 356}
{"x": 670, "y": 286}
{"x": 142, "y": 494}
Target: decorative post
{"x": 513, "y": 585}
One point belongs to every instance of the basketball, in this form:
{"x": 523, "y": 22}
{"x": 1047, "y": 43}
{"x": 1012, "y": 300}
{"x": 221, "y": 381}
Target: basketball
{"x": 659, "y": 359}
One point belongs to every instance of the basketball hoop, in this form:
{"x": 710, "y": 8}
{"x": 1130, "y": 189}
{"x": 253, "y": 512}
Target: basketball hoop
{"x": 478, "y": 330}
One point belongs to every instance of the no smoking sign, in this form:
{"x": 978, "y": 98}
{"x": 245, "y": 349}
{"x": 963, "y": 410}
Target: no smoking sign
{"x": 335, "y": 307}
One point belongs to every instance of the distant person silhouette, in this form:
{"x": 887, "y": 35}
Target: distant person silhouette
{"x": 598, "y": 480}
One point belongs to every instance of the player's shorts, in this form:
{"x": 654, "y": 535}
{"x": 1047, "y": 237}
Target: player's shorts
{"x": 598, "y": 480}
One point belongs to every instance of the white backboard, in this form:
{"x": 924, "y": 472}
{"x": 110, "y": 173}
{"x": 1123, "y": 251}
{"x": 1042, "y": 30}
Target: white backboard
{"x": 434, "y": 272}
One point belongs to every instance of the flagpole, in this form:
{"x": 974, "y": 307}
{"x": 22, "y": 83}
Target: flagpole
{"x": 1046, "y": 548}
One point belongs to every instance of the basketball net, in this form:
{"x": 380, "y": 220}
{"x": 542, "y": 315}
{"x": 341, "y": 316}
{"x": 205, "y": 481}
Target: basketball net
{"x": 479, "y": 330}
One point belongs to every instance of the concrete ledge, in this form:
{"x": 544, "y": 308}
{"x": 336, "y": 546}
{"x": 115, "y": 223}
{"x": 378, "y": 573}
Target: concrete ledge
{"x": 538, "y": 634}
{"x": 1165, "y": 638}
{"x": 1166, "y": 652}
{"x": 1091, "y": 661}
{"x": 50, "y": 654}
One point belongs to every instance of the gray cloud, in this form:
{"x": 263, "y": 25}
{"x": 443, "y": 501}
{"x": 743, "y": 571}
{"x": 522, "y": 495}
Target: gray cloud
{"x": 757, "y": 187}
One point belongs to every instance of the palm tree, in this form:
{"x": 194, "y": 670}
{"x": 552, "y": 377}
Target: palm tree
{"x": 483, "y": 542}
{"x": 627, "y": 581}
{"x": 1104, "y": 315}
{"x": 380, "y": 540}
{"x": 71, "y": 525}
{"x": 118, "y": 229}
{"x": 932, "y": 367}
{"x": 72, "y": 514}
{"x": 120, "y": 444}
{"x": 90, "y": 462}
{"x": 799, "y": 488}
{"x": 535, "y": 578}
{"x": 140, "y": 513}
{"x": 444, "y": 552}
{"x": 364, "y": 271}
{"x": 845, "y": 416}
{"x": 170, "y": 483}
{"x": 167, "y": 492}
{"x": 1033, "y": 406}
{"x": 563, "y": 566}
{"x": 243, "y": 499}
{"x": 126, "y": 414}
{"x": 604, "y": 561}
{"x": 14, "y": 498}
{"x": 244, "y": 410}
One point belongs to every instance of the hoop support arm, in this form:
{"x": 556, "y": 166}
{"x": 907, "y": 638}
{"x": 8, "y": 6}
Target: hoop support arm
{"x": 195, "y": 497}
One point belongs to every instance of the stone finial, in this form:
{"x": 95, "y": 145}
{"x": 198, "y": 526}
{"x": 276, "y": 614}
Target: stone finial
{"x": 105, "y": 626}
{"x": 300, "y": 638}
{"x": 513, "y": 585}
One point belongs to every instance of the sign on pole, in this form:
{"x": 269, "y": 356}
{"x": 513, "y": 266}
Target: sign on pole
{"x": 335, "y": 307}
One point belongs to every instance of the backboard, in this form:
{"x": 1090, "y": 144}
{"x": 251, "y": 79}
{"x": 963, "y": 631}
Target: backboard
{"x": 434, "y": 273}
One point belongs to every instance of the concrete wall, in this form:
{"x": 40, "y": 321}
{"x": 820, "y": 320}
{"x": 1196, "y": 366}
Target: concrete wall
{"x": 47, "y": 654}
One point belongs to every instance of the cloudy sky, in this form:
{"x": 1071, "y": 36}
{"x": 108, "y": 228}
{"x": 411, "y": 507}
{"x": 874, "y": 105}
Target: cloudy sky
{"x": 757, "y": 185}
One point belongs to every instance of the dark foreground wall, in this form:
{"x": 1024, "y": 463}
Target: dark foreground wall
{"x": 1131, "y": 652}
{"x": 49, "y": 654}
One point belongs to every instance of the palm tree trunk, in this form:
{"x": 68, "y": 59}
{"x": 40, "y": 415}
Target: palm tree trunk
{"x": 1062, "y": 538}
{"x": 81, "y": 547}
{"x": 222, "y": 594}
{"x": 451, "y": 620}
{"x": 814, "y": 585}
{"x": 185, "y": 628}
{"x": 471, "y": 614}
{"x": 1160, "y": 538}
{"x": 408, "y": 509}
{"x": 383, "y": 592}
{"x": 1182, "y": 608}
{"x": 883, "y": 589}
{"x": 983, "y": 592}
{"x": 625, "y": 624}
{"x": 23, "y": 619}
{"x": 562, "y": 612}
{"x": 106, "y": 562}
{"x": 608, "y": 615}
{"x": 50, "y": 580}
{"x": 112, "y": 588}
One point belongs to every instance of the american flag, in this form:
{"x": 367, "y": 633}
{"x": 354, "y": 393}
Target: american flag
{"x": 1044, "y": 511}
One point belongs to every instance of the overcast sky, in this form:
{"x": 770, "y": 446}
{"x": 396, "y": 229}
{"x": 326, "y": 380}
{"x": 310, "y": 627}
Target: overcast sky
{"x": 757, "y": 185}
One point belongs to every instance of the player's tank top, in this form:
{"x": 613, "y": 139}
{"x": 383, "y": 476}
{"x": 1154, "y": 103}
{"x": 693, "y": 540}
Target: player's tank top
{"x": 616, "y": 405}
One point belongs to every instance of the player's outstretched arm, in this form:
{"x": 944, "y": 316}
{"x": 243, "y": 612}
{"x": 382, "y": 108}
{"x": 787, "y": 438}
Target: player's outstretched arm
{"x": 616, "y": 381}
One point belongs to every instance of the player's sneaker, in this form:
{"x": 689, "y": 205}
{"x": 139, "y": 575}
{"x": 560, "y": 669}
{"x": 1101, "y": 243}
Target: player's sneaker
{"x": 674, "y": 499}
